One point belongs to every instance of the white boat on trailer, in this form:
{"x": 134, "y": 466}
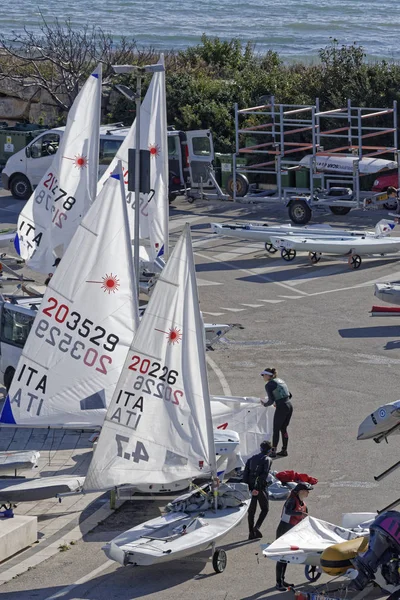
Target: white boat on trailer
{"x": 180, "y": 534}
{"x": 173, "y": 438}
{"x": 352, "y": 247}
{"x": 262, "y": 232}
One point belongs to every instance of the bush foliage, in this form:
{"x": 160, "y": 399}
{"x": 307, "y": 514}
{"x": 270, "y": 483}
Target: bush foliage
{"x": 205, "y": 81}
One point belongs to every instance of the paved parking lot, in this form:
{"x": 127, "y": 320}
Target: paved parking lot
{"x": 311, "y": 322}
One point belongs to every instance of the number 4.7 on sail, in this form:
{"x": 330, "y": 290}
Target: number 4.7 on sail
{"x": 140, "y": 452}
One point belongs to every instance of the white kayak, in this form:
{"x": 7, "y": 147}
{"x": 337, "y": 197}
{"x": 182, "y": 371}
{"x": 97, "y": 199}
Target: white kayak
{"x": 388, "y": 292}
{"x": 380, "y": 421}
{"x": 339, "y": 244}
{"x": 262, "y": 232}
{"x": 182, "y": 533}
{"x": 19, "y": 459}
{"x": 40, "y": 488}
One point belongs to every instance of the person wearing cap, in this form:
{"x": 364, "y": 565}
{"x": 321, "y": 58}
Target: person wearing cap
{"x": 294, "y": 510}
{"x": 278, "y": 394}
{"x": 255, "y": 474}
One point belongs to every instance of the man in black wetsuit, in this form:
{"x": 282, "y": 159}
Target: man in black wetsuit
{"x": 255, "y": 475}
{"x": 278, "y": 395}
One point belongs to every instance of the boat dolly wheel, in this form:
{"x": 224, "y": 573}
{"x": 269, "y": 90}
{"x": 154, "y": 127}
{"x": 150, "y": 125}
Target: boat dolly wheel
{"x": 288, "y": 254}
{"x": 354, "y": 261}
{"x": 219, "y": 560}
{"x": 314, "y": 257}
{"x": 312, "y": 573}
{"x": 270, "y": 248}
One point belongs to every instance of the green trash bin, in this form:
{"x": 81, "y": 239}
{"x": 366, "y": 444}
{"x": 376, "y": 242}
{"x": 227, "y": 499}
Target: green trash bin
{"x": 288, "y": 179}
{"x": 13, "y": 139}
{"x": 303, "y": 178}
{"x": 224, "y": 167}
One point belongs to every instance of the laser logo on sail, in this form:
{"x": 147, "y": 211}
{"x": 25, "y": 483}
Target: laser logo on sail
{"x": 110, "y": 283}
{"x": 80, "y": 161}
{"x": 154, "y": 150}
{"x": 174, "y": 335}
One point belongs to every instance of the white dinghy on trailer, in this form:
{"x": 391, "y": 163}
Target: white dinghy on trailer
{"x": 171, "y": 435}
{"x": 262, "y": 232}
{"x": 354, "y": 248}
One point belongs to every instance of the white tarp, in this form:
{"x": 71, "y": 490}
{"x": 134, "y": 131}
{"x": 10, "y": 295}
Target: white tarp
{"x": 78, "y": 343}
{"x": 310, "y": 535}
{"x": 158, "y": 427}
{"x": 52, "y": 214}
{"x": 345, "y": 164}
{"x": 154, "y": 207}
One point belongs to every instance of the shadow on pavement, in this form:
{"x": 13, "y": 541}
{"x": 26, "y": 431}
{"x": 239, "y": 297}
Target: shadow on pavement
{"x": 371, "y": 332}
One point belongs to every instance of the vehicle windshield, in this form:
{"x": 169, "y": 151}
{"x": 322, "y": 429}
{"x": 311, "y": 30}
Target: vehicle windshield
{"x": 15, "y": 327}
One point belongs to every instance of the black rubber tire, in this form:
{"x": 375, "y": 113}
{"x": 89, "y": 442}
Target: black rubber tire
{"x": 8, "y": 377}
{"x": 219, "y": 561}
{"x": 314, "y": 257}
{"x": 270, "y": 248}
{"x": 339, "y": 210}
{"x": 299, "y": 212}
{"x": 311, "y": 573}
{"x": 288, "y": 254}
{"x": 390, "y": 205}
{"x": 20, "y": 187}
{"x": 354, "y": 261}
{"x": 190, "y": 199}
{"x": 242, "y": 185}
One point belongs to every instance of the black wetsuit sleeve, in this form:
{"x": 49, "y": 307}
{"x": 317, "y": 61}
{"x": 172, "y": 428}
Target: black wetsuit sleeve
{"x": 269, "y": 388}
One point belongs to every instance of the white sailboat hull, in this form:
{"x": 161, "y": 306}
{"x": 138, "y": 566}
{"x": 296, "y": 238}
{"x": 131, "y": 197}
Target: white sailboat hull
{"x": 7, "y": 238}
{"x": 380, "y": 421}
{"x": 339, "y": 245}
{"x": 263, "y": 232}
{"x": 214, "y": 331}
{"x": 161, "y": 539}
{"x": 40, "y": 488}
{"x": 388, "y": 292}
{"x": 20, "y": 459}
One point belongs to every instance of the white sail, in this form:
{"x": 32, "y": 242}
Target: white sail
{"x": 158, "y": 427}
{"x": 153, "y": 137}
{"x": 78, "y": 344}
{"x": 245, "y": 415}
{"x": 52, "y": 214}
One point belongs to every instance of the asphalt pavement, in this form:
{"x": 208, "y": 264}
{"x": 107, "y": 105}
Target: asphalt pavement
{"x": 311, "y": 322}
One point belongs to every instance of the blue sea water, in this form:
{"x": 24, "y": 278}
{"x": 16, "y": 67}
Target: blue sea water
{"x": 294, "y": 28}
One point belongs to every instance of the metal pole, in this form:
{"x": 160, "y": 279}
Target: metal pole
{"x": 237, "y": 150}
{"x": 137, "y": 182}
{"x": 388, "y": 471}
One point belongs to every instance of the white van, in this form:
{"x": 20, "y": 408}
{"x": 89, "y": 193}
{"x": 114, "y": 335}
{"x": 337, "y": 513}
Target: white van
{"x": 190, "y": 157}
{"x": 24, "y": 169}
